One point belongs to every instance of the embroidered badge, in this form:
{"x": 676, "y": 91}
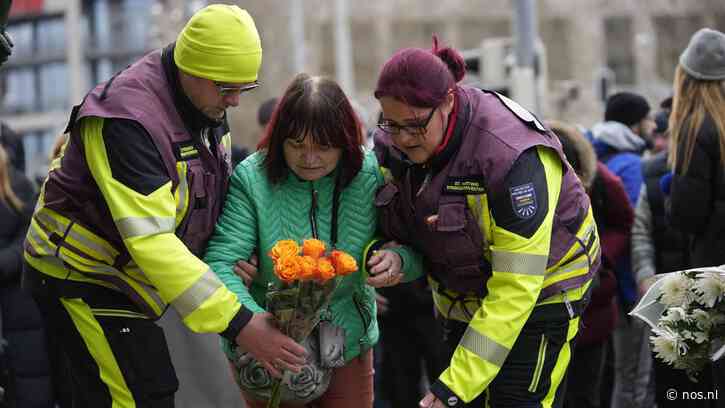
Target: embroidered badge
{"x": 452, "y": 401}
{"x": 465, "y": 185}
{"x": 523, "y": 200}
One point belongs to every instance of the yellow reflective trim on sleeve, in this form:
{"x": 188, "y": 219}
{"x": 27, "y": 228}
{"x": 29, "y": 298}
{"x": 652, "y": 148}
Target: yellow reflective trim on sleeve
{"x": 484, "y": 347}
{"x": 139, "y": 226}
{"x": 561, "y": 365}
{"x": 196, "y": 294}
{"x": 519, "y": 263}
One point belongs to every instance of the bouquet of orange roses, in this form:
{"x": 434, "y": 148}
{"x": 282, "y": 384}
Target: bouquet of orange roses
{"x": 309, "y": 276}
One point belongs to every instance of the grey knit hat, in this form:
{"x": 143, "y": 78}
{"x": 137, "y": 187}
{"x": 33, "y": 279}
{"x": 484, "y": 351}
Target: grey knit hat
{"x": 704, "y": 57}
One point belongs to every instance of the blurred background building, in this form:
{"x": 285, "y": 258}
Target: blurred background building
{"x": 587, "y": 48}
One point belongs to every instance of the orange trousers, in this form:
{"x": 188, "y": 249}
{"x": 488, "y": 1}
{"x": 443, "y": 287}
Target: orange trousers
{"x": 351, "y": 387}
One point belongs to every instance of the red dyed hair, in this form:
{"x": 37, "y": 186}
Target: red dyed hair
{"x": 318, "y": 107}
{"x": 419, "y": 77}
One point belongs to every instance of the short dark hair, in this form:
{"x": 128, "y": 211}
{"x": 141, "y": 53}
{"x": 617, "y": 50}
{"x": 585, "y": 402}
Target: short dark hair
{"x": 264, "y": 113}
{"x": 318, "y": 107}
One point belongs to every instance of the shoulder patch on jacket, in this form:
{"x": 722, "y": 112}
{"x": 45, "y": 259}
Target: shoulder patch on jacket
{"x": 523, "y": 200}
{"x": 520, "y": 112}
{"x": 465, "y": 185}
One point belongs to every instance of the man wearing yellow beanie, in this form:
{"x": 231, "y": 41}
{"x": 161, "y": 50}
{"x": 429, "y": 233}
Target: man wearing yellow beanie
{"x": 124, "y": 216}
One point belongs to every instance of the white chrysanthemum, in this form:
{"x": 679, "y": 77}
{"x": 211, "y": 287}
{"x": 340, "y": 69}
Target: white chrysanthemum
{"x": 666, "y": 345}
{"x": 674, "y": 315}
{"x": 676, "y": 290}
{"x": 699, "y": 337}
{"x": 702, "y": 319}
{"x": 710, "y": 289}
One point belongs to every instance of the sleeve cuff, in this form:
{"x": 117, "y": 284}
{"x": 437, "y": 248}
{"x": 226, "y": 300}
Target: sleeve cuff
{"x": 445, "y": 395}
{"x": 368, "y": 252}
{"x": 238, "y": 322}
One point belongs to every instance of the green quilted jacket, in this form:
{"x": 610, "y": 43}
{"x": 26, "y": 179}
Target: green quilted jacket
{"x": 258, "y": 213}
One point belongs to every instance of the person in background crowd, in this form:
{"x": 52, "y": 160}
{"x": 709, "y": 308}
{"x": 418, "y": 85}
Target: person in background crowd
{"x": 264, "y": 114}
{"x": 619, "y": 142}
{"x": 659, "y": 248}
{"x": 485, "y": 198}
{"x": 124, "y": 215}
{"x": 29, "y": 380}
{"x": 13, "y": 145}
{"x": 660, "y": 136}
{"x": 697, "y": 154}
{"x": 310, "y": 178}
{"x": 613, "y": 215}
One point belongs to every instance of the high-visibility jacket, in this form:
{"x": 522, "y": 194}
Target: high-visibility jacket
{"x": 482, "y": 272}
{"x": 89, "y": 227}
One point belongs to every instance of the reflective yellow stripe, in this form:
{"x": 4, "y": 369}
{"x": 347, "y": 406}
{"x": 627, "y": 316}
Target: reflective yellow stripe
{"x": 139, "y": 226}
{"x": 118, "y": 313}
{"x": 93, "y": 246}
{"x": 484, "y": 347}
{"x": 584, "y": 264}
{"x": 182, "y": 192}
{"x": 95, "y": 341}
{"x": 560, "y": 367}
{"x": 539, "y": 364}
{"x": 519, "y": 263}
{"x": 39, "y": 243}
{"x": 196, "y": 294}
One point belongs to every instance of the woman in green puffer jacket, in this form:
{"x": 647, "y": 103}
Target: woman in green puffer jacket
{"x": 310, "y": 164}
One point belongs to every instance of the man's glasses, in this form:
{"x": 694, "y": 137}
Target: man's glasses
{"x": 418, "y": 129}
{"x": 225, "y": 90}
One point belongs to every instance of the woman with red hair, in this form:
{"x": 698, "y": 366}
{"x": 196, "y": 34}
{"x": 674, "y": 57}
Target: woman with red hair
{"x": 310, "y": 178}
{"x": 483, "y": 190}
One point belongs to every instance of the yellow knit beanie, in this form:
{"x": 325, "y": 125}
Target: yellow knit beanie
{"x": 221, "y": 43}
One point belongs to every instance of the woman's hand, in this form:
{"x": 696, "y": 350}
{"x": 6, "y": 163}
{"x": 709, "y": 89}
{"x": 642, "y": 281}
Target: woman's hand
{"x": 430, "y": 401}
{"x": 268, "y": 345}
{"x": 247, "y": 270}
{"x": 385, "y": 269}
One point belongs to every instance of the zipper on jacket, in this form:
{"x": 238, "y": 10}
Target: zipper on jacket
{"x": 313, "y": 212}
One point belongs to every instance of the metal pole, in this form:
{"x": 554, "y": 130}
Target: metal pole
{"x": 524, "y": 81}
{"x": 343, "y": 48}
{"x": 297, "y": 32}
{"x": 74, "y": 52}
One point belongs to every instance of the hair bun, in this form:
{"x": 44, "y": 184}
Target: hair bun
{"x": 452, "y": 58}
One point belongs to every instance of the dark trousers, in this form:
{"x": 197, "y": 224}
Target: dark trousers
{"x": 586, "y": 371}
{"x": 408, "y": 343}
{"x": 546, "y": 342}
{"x": 108, "y": 357}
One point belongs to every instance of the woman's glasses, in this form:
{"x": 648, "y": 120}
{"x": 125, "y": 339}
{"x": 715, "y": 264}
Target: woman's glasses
{"x": 416, "y": 129}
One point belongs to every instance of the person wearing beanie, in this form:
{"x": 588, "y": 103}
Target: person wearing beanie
{"x": 613, "y": 215}
{"x": 125, "y": 213}
{"x": 619, "y": 142}
{"x": 483, "y": 190}
{"x": 697, "y": 154}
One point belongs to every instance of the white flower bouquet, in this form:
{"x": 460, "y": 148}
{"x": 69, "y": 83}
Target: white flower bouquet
{"x": 686, "y": 311}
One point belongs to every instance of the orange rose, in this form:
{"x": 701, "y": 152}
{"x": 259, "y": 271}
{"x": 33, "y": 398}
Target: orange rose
{"x": 308, "y": 268}
{"x": 313, "y": 247}
{"x": 288, "y": 268}
{"x": 343, "y": 262}
{"x": 325, "y": 269}
{"x": 284, "y": 248}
